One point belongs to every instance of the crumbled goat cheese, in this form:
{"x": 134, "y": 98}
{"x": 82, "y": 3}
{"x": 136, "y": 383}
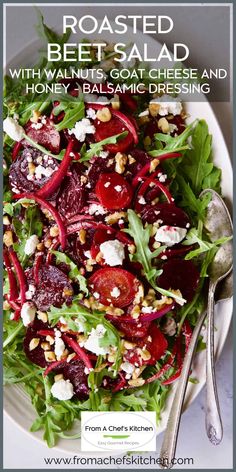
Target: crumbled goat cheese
{"x": 107, "y": 184}
{"x": 162, "y": 177}
{"x": 59, "y": 345}
{"x": 147, "y": 309}
{"x": 96, "y": 295}
{"x": 91, "y": 113}
{"x": 170, "y": 235}
{"x": 62, "y": 389}
{"x": 144, "y": 113}
{"x": 82, "y": 128}
{"x": 103, "y": 154}
{"x": 115, "y": 292}
{"x": 87, "y": 254}
{"x": 118, "y": 188}
{"x": 142, "y": 201}
{"x": 92, "y": 343}
{"x": 43, "y": 171}
{"x": 37, "y": 125}
{"x": 127, "y": 367}
{"x": 27, "y": 313}
{"x": 95, "y": 209}
{"x": 167, "y": 106}
{"x": 113, "y": 252}
{"x": 13, "y": 129}
{"x": 30, "y": 292}
{"x": 31, "y": 244}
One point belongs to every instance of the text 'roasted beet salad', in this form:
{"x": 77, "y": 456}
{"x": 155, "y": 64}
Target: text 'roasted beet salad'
{"x": 104, "y": 249}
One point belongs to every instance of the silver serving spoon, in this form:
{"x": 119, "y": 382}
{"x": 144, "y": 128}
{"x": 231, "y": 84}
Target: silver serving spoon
{"x": 171, "y": 434}
{"x": 218, "y": 224}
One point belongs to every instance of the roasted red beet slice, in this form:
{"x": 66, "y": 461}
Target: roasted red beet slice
{"x": 53, "y": 288}
{"x": 103, "y": 281}
{"x": 98, "y": 166}
{"x": 74, "y": 371}
{"x": 132, "y": 331}
{"x": 168, "y": 213}
{"x": 71, "y": 197}
{"x": 46, "y": 135}
{"x": 180, "y": 274}
{"x": 158, "y": 344}
{"x": 19, "y": 175}
{"x": 111, "y": 128}
{"x": 113, "y": 191}
{"x": 36, "y": 355}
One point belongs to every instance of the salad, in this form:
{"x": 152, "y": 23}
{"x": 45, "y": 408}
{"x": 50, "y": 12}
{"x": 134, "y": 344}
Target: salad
{"x": 105, "y": 253}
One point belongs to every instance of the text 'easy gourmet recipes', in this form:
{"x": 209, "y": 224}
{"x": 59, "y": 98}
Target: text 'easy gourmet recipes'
{"x": 104, "y": 250}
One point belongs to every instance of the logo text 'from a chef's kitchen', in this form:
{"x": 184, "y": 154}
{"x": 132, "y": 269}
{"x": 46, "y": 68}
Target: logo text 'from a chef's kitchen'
{"x": 116, "y": 431}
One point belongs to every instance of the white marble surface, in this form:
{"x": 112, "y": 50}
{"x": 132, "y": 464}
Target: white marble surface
{"x": 22, "y": 452}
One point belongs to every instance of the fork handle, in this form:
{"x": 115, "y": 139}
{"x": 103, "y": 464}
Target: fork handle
{"x": 213, "y": 420}
{"x": 168, "y": 448}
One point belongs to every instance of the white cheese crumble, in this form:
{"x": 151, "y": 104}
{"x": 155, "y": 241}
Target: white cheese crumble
{"x": 59, "y": 345}
{"x": 96, "y": 295}
{"x": 91, "y": 113}
{"x": 28, "y": 312}
{"x": 142, "y": 201}
{"x": 115, "y": 292}
{"x": 144, "y": 113}
{"x": 113, "y": 252}
{"x": 103, "y": 154}
{"x": 82, "y": 128}
{"x": 31, "y": 244}
{"x": 62, "y": 389}
{"x": 147, "y": 309}
{"x": 13, "y": 129}
{"x": 118, "y": 188}
{"x": 92, "y": 343}
{"x": 170, "y": 235}
{"x": 41, "y": 171}
{"x": 96, "y": 209}
{"x": 167, "y": 106}
{"x": 30, "y": 292}
{"x": 127, "y": 367}
{"x": 162, "y": 177}
{"x": 107, "y": 184}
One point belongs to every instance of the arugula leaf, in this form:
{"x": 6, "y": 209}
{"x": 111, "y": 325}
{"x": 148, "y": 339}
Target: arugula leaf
{"x": 88, "y": 320}
{"x": 193, "y": 237}
{"x": 96, "y": 147}
{"x": 43, "y": 149}
{"x": 48, "y": 34}
{"x": 172, "y": 143}
{"x": 74, "y": 273}
{"x": 144, "y": 255}
{"x": 73, "y": 110}
{"x": 31, "y": 224}
{"x": 195, "y": 206}
{"x": 197, "y": 165}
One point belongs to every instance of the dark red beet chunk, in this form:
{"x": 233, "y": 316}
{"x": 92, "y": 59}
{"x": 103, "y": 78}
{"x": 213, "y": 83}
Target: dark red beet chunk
{"x": 71, "y": 198}
{"x": 19, "y": 170}
{"x": 98, "y": 166}
{"x": 168, "y": 213}
{"x": 52, "y": 288}
{"x": 132, "y": 330}
{"x": 111, "y": 128}
{"x": 74, "y": 371}
{"x": 113, "y": 191}
{"x": 141, "y": 158}
{"x": 36, "y": 355}
{"x": 180, "y": 274}
{"x": 46, "y": 136}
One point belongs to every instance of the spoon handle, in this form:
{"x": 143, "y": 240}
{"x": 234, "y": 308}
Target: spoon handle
{"x": 168, "y": 448}
{"x": 214, "y": 427}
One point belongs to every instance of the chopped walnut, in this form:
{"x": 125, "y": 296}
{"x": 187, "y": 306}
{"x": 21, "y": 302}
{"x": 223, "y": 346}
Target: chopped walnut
{"x": 121, "y": 161}
{"x": 104, "y": 114}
